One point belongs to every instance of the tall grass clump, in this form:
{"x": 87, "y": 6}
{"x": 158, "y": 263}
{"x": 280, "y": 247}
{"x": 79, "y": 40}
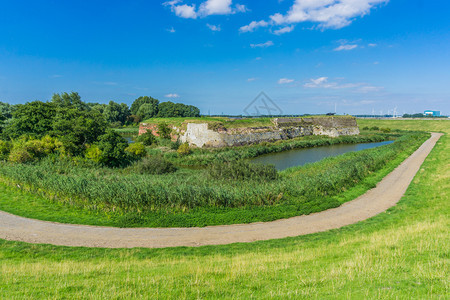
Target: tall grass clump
{"x": 242, "y": 170}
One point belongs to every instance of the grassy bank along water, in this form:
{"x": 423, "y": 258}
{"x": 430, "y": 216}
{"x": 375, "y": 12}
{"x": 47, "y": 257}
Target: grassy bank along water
{"x": 193, "y": 198}
{"x": 400, "y": 254}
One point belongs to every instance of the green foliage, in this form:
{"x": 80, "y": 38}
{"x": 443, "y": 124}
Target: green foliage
{"x": 72, "y": 100}
{"x": 154, "y": 165}
{"x": 116, "y": 113}
{"x": 242, "y": 170}
{"x": 112, "y": 147}
{"x": 365, "y": 128}
{"x": 374, "y": 128}
{"x": 147, "y": 138}
{"x": 27, "y": 150}
{"x": 93, "y": 153}
{"x": 170, "y": 109}
{"x": 385, "y": 130}
{"x": 147, "y": 111}
{"x": 5, "y": 149}
{"x": 136, "y": 105}
{"x": 33, "y": 119}
{"x": 77, "y": 128}
{"x": 184, "y": 149}
{"x": 136, "y": 150}
{"x": 164, "y": 130}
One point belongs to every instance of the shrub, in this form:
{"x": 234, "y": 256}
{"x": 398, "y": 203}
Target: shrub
{"x": 112, "y": 147}
{"x": 374, "y": 128}
{"x": 154, "y": 165}
{"x": 366, "y": 128}
{"x": 136, "y": 150}
{"x": 385, "y": 130}
{"x": 184, "y": 149}
{"x": 5, "y": 149}
{"x": 241, "y": 170}
{"x": 93, "y": 153}
{"x": 164, "y": 130}
{"x": 147, "y": 138}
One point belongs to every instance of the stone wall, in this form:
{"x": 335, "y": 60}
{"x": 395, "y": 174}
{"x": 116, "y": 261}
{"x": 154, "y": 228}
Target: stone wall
{"x": 284, "y": 128}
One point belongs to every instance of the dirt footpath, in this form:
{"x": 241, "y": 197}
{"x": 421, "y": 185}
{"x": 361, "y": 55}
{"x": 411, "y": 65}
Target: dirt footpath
{"x": 386, "y": 194}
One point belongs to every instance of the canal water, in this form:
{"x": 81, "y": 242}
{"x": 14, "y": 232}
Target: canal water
{"x": 299, "y": 157}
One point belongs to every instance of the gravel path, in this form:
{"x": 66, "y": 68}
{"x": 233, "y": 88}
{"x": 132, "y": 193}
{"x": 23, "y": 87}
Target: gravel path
{"x": 387, "y": 193}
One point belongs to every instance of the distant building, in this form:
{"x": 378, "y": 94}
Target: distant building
{"x": 432, "y": 113}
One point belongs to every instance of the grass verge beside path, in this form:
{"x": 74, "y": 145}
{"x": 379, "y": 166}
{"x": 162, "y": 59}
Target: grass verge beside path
{"x": 402, "y": 253}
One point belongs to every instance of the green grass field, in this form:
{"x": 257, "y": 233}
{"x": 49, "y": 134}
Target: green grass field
{"x": 400, "y": 254}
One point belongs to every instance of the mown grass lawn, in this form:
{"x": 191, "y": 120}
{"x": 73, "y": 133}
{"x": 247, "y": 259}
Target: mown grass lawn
{"x": 400, "y": 254}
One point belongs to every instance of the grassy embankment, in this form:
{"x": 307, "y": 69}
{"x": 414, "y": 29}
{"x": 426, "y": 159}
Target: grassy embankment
{"x": 400, "y": 254}
{"x": 191, "y": 197}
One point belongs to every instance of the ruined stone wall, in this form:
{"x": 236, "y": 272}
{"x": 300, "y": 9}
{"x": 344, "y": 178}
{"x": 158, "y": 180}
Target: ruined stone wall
{"x": 284, "y": 128}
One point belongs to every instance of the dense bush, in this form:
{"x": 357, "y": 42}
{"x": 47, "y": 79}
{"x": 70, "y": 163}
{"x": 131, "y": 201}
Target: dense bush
{"x": 112, "y": 147}
{"x": 154, "y": 165}
{"x": 25, "y": 150}
{"x": 184, "y": 149}
{"x": 164, "y": 130}
{"x": 242, "y": 170}
{"x": 136, "y": 150}
{"x": 5, "y": 149}
{"x": 147, "y": 138}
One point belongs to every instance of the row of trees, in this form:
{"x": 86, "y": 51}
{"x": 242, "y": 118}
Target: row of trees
{"x": 116, "y": 114}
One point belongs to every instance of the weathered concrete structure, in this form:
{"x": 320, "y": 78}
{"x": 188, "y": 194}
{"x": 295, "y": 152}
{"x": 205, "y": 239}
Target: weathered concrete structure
{"x": 198, "y": 134}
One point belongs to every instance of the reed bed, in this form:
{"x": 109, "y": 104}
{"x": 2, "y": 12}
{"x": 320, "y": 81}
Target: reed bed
{"x": 307, "y": 187}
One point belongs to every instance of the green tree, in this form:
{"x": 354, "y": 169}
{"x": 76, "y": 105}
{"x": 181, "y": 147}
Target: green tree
{"x": 34, "y": 119}
{"x": 116, "y": 113}
{"x": 72, "y": 100}
{"x": 146, "y": 111}
{"x": 76, "y": 128}
{"x": 164, "y": 130}
{"x": 147, "y": 138}
{"x": 112, "y": 147}
{"x": 144, "y": 100}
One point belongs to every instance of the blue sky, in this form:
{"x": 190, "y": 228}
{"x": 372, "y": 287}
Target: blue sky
{"x": 306, "y": 55}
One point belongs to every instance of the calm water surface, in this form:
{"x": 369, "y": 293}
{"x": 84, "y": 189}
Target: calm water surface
{"x": 299, "y": 157}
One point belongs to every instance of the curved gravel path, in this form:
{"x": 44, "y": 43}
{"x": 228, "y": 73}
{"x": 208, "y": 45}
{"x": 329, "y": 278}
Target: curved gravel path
{"x": 387, "y": 193}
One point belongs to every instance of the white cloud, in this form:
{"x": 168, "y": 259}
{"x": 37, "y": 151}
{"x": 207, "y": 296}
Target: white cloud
{"x": 263, "y": 45}
{"x": 172, "y": 96}
{"x": 214, "y": 27}
{"x": 372, "y": 45}
{"x": 215, "y": 7}
{"x": 206, "y": 8}
{"x": 253, "y": 25}
{"x": 324, "y": 83}
{"x": 285, "y": 80}
{"x": 327, "y": 13}
{"x": 345, "y": 47}
{"x": 171, "y": 30}
{"x": 185, "y": 11}
{"x": 283, "y": 30}
{"x": 251, "y": 79}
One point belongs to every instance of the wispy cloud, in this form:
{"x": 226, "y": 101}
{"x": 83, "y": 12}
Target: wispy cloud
{"x": 325, "y": 83}
{"x": 283, "y": 30}
{"x": 285, "y": 81}
{"x": 214, "y": 27}
{"x": 263, "y": 45}
{"x": 253, "y": 25}
{"x": 252, "y": 79}
{"x": 171, "y": 30}
{"x": 345, "y": 47}
{"x": 172, "y": 96}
